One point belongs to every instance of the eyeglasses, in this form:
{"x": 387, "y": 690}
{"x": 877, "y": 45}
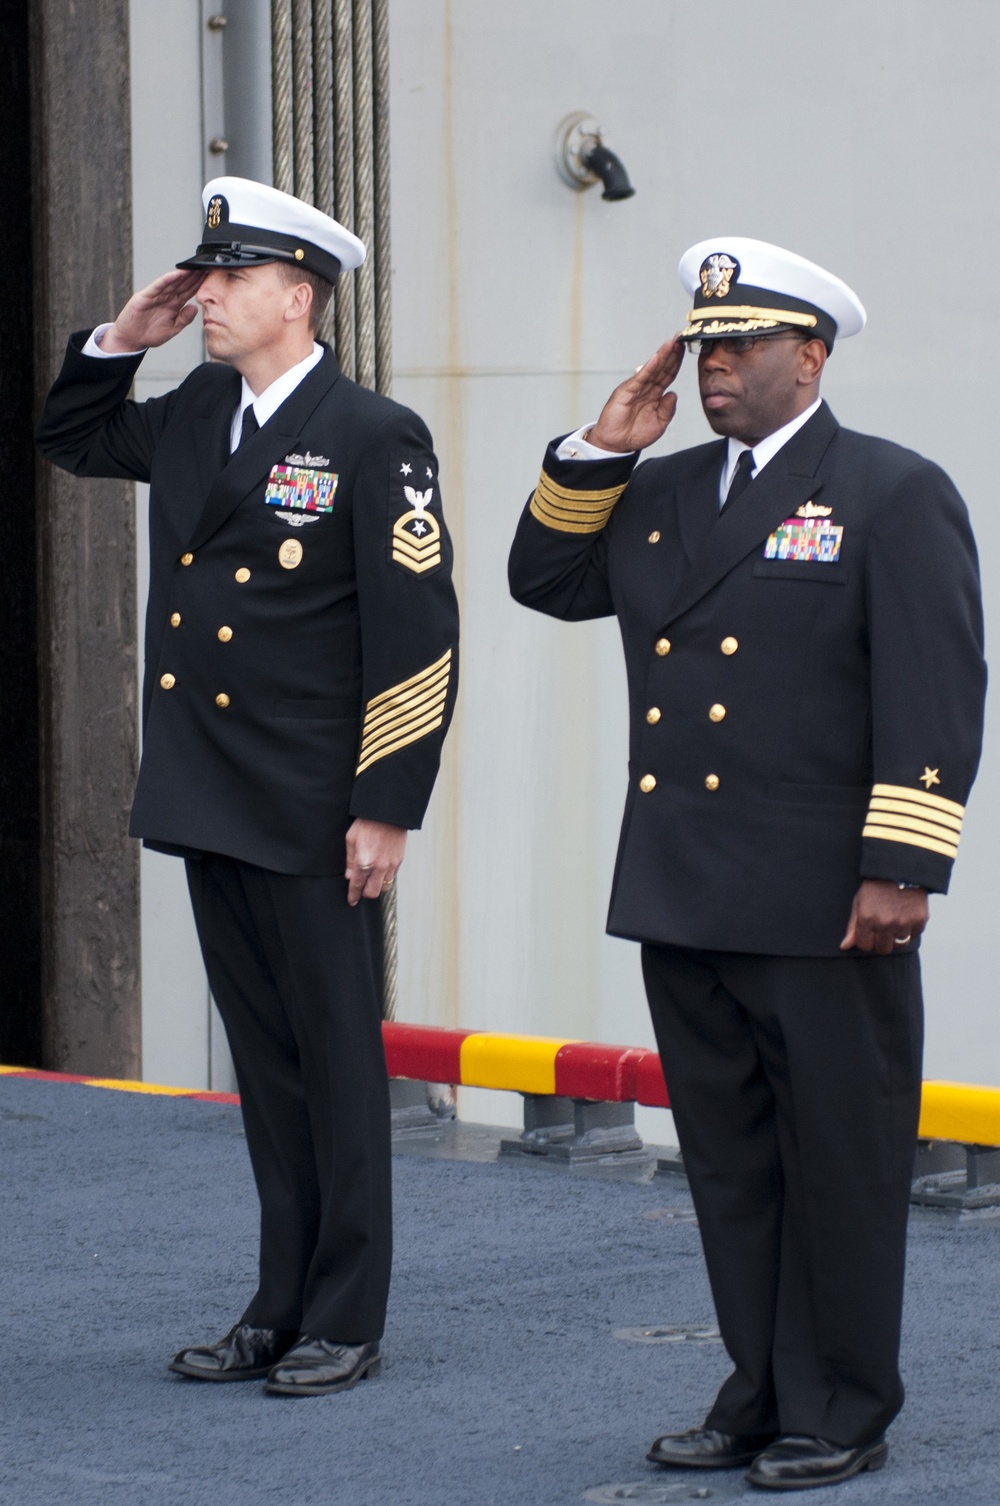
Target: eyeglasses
{"x": 736, "y": 345}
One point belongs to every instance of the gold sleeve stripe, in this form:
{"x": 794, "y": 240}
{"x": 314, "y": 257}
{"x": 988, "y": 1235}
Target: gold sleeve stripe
{"x": 411, "y": 706}
{"x": 396, "y": 690}
{"x": 414, "y": 697}
{"x": 388, "y": 730}
{"x": 575, "y": 495}
{"x": 567, "y": 511}
{"x": 410, "y": 737}
{"x": 911, "y": 839}
{"x": 900, "y": 792}
{"x": 912, "y": 808}
{"x": 908, "y": 823}
{"x": 405, "y": 712}
{"x": 407, "y": 731}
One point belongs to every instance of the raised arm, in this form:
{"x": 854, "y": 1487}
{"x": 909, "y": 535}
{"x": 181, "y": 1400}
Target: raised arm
{"x": 88, "y": 424}
{"x": 558, "y": 561}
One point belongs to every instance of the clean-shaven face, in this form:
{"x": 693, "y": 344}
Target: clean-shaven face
{"x": 759, "y": 385}
{"x": 244, "y": 310}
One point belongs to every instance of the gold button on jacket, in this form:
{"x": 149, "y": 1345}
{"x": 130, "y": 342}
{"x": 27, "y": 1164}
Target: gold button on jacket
{"x": 653, "y": 715}
{"x": 796, "y": 701}
{"x": 339, "y": 676}
{"x": 647, "y": 783}
{"x": 654, "y": 537}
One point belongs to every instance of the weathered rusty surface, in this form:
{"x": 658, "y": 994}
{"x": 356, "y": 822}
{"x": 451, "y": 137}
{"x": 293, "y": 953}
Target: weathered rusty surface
{"x": 20, "y": 1027}
{"x": 86, "y": 554}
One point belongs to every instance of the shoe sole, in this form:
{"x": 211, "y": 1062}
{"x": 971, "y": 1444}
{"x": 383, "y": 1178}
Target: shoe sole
{"x": 874, "y": 1459}
{"x": 191, "y": 1372}
{"x": 277, "y": 1388}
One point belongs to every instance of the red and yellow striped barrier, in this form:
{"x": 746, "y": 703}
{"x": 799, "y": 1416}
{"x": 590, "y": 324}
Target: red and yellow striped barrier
{"x": 526, "y": 1064}
{"x": 955, "y": 1111}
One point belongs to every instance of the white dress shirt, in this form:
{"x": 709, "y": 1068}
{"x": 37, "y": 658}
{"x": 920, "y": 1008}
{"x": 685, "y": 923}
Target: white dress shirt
{"x": 264, "y": 403}
{"x": 575, "y": 447}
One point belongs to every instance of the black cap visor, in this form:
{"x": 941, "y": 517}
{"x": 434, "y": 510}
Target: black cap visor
{"x": 248, "y": 246}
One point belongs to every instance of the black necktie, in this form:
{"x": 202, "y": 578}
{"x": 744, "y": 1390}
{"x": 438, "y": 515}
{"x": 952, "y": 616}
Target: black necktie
{"x": 742, "y": 477}
{"x": 250, "y": 426}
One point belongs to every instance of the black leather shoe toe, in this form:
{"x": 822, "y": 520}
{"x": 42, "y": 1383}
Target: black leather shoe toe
{"x": 317, "y": 1367}
{"x": 794, "y": 1462}
{"x": 704, "y": 1448}
{"x": 245, "y": 1353}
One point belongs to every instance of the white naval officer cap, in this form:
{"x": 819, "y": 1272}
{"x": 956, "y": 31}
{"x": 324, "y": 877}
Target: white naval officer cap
{"x": 249, "y": 224}
{"x": 746, "y": 287}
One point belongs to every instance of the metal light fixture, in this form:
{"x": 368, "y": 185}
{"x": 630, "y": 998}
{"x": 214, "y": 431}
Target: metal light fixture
{"x": 582, "y": 158}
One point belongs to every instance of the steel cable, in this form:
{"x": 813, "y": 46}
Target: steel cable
{"x": 364, "y": 206}
{"x": 281, "y": 93}
{"x": 343, "y": 170}
{"x": 302, "y": 99}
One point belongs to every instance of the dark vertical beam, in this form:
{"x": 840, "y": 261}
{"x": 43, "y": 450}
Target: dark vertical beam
{"x": 20, "y": 936}
{"x": 86, "y": 553}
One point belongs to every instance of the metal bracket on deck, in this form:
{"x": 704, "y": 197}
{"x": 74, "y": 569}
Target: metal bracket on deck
{"x": 962, "y": 1178}
{"x": 412, "y": 1114}
{"x": 578, "y": 1132}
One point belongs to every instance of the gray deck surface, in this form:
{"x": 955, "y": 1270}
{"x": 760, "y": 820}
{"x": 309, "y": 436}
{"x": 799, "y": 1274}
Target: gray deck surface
{"x": 129, "y": 1230}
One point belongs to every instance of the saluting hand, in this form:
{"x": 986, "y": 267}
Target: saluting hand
{"x": 374, "y": 852}
{"x": 885, "y": 918}
{"x": 638, "y": 412}
{"x": 156, "y": 314}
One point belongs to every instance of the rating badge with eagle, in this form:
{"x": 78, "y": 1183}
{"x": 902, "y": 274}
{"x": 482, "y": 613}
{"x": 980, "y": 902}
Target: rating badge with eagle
{"x": 416, "y": 534}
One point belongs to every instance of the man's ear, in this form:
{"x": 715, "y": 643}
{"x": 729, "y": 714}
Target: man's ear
{"x": 812, "y": 359}
{"x": 299, "y": 306}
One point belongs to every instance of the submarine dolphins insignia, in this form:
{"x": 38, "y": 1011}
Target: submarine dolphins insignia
{"x": 813, "y": 510}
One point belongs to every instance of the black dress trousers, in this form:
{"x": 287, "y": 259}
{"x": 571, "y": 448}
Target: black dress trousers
{"x": 296, "y": 974}
{"x": 795, "y": 1086}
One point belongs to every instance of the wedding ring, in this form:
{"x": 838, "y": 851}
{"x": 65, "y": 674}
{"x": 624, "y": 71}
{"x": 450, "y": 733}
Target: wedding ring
{"x": 902, "y": 940}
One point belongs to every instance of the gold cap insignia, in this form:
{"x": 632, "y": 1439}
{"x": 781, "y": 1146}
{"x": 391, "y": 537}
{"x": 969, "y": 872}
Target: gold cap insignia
{"x": 717, "y": 272}
{"x": 812, "y": 510}
{"x": 215, "y": 213}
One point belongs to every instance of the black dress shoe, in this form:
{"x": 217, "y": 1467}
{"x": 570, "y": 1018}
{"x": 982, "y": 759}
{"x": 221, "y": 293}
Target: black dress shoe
{"x": 794, "y": 1462}
{"x": 244, "y": 1354}
{"x": 316, "y": 1367}
{"x": 704, "y": 1448}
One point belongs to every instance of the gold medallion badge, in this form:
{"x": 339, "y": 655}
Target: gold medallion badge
{"x": 290, "y": 554}
{"x": 416, "y": 536}
{"x": 717, "y": 272}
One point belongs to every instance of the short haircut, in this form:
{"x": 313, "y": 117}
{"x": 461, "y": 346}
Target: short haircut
{"x": 322, "y": 290}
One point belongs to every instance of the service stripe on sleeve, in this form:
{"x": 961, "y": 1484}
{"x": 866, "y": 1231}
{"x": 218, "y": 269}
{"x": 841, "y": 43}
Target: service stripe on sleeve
{"x": 405, "y": 713}
{"x": 915, "y": 818}
{"x": 569, "y": 511}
